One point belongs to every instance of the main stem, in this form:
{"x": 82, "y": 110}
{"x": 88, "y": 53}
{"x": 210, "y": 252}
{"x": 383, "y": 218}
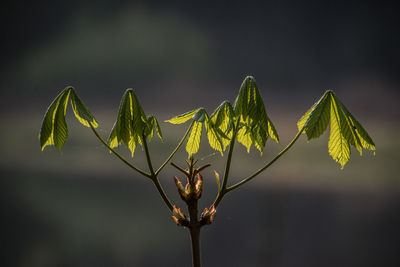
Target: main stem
{"x": 195, "y": 239}
{"x": 194, "y": 229}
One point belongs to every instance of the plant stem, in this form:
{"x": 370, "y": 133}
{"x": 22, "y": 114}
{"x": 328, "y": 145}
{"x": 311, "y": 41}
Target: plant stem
{"x": 175, "y": 150}
{"x": 266, "y": 166}
{"x": 118, "y": 155}
{"x": 195, "y": 240}
{"x": 154, "y": 177}
{"x": 223, "y": 190}
{"x": 194, "y": 229}
{"x": 146, "y": 149}
{"x": 162, "y": 193}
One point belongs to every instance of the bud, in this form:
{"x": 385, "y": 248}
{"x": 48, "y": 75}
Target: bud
{"x": 208, "y": 216}
{"x": 179, "y": 217}
{"x": 198, "y": 185}
{"x": 180, "y": 187}
{"x": 188, "y": 189}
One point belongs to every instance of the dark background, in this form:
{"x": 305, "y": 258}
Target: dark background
{"x": 82, "y": 207}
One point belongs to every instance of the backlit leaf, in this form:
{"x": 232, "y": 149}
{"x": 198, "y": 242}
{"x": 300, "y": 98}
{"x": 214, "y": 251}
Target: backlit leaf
{"x": 60, "y": 125}
{"x": 193, "y": 143}
{"x": 345, "y": 130}
{"x": 317, "y": 118}
{"x": 183, "y": 117}
{"x": 54, "y": 130}
{"x": 81, "y": 112}
{"x": 213, "y": 139}
{"x": 338, "y": 143}
{"x": 46, "y": 135}
{"x": 131, "y": 123}
{"x": 250, "y": 110}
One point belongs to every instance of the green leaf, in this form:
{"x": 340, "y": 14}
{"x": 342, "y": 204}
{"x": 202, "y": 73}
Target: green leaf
{"x": 338, "y": 143}
{"x": 130, "y": 124}
{"x": 150, "y": 125}
{"x": 183, "y": 117}
{"x": 60, "y": 125}
{"x": 360, "y": 132}
{"x": 250, "y": 110}
{"x": 317, "y": 118}
{"x": 139, "y": 118}
{"x": 54, "y": 130}
{"x": 247, "y": 103}
{"x": 200, "y": 115}
{"x": 222, "y": 120}
{"x": 345, "y": 130}
{"x": 149, "y": 128}
{"x": 213, "y": 137}
{"x": 158, "y": 128}
{"x": 46, "y": 135}
{"x": 81, "y": 112}
{"x": 244, "y": 136}
{"x": 193, "y": 143}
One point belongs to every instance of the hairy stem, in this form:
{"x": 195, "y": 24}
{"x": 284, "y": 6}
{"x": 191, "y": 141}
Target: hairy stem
{"x": 266, "y": 166}
{"x": 175, "y": 150}
{"x": 118, "y": 155}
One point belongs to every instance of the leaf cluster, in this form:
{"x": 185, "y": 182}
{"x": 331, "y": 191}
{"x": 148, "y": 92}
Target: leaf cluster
{"x": 54, "y": 130}
{"x": 345, "y": 130}
{"x": 246, "y": 121}
{"x": 132, "y": 124}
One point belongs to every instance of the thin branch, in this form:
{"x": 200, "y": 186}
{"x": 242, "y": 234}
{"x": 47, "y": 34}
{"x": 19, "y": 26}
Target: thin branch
{"x": 162, "y": 193}
{"x": 175, "y": 150}
{"x": 146, "y": 149}
{"x": 266, "y": 166}
{"x": 223, "y": 189}
{"x": 118, "y": 155}
{"x": 185, "y": 172}
{"x": 154, "y": 177}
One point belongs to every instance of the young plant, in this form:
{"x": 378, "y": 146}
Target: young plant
{"x": 246, "y": 122}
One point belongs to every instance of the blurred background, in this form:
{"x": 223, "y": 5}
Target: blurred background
{"x": 83, "y": 207}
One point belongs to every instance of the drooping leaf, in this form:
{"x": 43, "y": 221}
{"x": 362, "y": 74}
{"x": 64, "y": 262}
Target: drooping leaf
{"x": 244, "y": 136}
{"x": 54, "y": 130}
{"x": 115, "y": 138}
{"x": 149, "y": 127}
{"x": 183, "y": 117}
{"x": 139, "y": 118}
{"x": 212, "y": 135}
{"x": 317, "y": 118}
{"x": 131, "y": 123}
{"x": 81, "y": 112}
{"x": 345, "y": 130}
{"x": 222, "y": 120}
{"x": 200, "y": 115}
{"x": 272, "y": 131}
{"x": 127, "y": 133}
{"x": 338, "y": 143}
{"x": 60, "y": 125}
{"x": 360, "y": 132}
{"x": 247, "y": 102}
{"x": 46, "y": 135}
{"x": 250, "y": 110}
{"x": 193, "y": 143}
{"x": 158, "y": 128}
